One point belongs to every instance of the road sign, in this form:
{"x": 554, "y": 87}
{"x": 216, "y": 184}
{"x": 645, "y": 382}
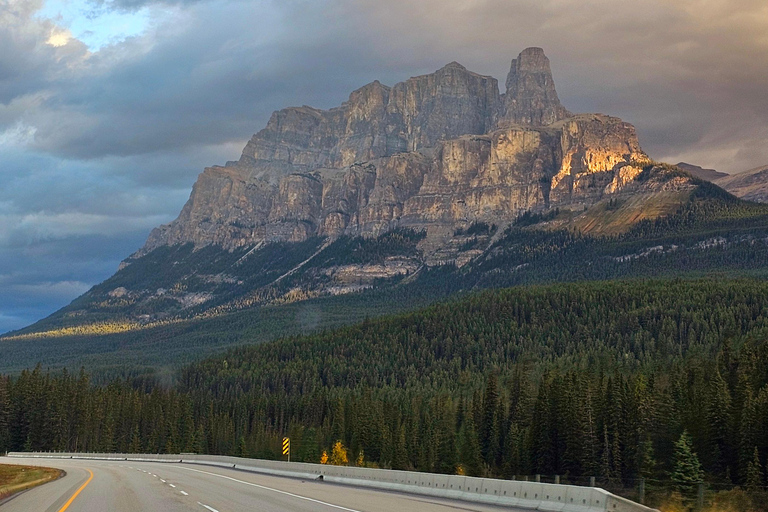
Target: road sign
{"x": 287, "y": 447}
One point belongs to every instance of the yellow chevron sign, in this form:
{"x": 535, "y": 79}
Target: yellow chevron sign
{"x": 287, "y": 446}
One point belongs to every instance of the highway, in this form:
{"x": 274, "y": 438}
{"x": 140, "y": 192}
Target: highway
{"x": 120, "y": 486}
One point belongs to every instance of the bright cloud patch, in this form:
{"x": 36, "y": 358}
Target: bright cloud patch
{"x": 59, "y": 38}
{"x": 94, "y": 25}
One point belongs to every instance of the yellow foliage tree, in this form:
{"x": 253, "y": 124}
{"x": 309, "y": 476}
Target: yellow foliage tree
{"x": 460, "y": 470}
{"x": 324, "y": 458}
{"x": 360, "y": 462}
{"x": 339, "y": 455}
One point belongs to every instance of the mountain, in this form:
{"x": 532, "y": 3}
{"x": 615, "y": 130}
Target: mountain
{"x": 701, "y": 173}
{"x": 434, "y": 153}
{"x": 398, "y": 198}
{"x": 751, "y": 185}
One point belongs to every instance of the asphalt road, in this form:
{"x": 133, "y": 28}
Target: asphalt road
{"x": 119, "y": 486}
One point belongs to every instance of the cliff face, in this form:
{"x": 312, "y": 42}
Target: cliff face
{"x": 435, "y": 152}
{"x": 531, "y": 97}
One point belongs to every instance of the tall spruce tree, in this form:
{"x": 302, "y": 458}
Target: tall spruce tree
{"x": 755, "y": 479}
{"x": 687, "y": 472}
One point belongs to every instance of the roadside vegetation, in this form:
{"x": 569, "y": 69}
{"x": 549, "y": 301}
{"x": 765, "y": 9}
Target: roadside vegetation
{"x": 14, "y": 479}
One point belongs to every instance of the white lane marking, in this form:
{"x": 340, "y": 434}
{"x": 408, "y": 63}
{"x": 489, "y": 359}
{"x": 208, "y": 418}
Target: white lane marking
{"x": 339, "y": 507}
{"x": 162, "y": 480}
{"x": 206, "y": 506}
{"x": 172, "y": 485}
{"x": 184, "y": 493}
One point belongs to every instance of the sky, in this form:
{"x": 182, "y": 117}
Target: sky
{"x": 109, "y": 109}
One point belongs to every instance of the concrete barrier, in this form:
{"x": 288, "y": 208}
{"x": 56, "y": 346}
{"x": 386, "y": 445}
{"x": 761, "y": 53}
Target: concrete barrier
{"x": 508, "y": 493}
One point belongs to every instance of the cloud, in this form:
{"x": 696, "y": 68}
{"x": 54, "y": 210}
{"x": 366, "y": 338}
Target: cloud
{"x": 210, "y": 72}
{"x": 100, "y": 142}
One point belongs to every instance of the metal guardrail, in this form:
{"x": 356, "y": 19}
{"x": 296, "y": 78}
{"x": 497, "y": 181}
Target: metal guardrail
{"x": 527, "y": 495}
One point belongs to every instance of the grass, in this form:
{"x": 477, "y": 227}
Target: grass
{"x": 15, "y": 478}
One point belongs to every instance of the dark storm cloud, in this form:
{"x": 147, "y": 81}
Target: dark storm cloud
{"x": 41, "y": 277}
{"x": 106, "y": 144}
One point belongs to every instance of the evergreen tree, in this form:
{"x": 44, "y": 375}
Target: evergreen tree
{"x": 489, "y": 434}
{"x": 754, "y": 477}
{"x": 687, "y": 472}
{"x": 469, "y": 448}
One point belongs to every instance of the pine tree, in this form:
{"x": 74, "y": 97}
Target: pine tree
{"x": 686, "y": 472}
{"x": 400, "y": 459}
{"x": 606, "y": 467}
{"x": 542, "y": 436}
{"x": 489, "y": 434}
{"x": 469, "y": 448}
{"x": 513, "y": 448}
{"x": 718, "y": 425}
{"x": 4, "y": 412}
{"x": 754, "y": 477}
{"x": 748, "y": 436}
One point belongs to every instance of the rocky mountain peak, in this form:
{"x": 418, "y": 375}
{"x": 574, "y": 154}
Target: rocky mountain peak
{"x": 455, "y": 65}
{"x": 531, "y": 98}
{"x": 434, "y": 153}
{"x": 532, "y": 60}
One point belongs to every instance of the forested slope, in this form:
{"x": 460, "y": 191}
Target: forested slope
{"x": 578, "y": 379}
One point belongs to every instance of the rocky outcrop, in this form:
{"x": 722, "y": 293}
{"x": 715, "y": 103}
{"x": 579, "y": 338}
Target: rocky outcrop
{"x": 531, "y": 98}
{"x": 435, "y": 152}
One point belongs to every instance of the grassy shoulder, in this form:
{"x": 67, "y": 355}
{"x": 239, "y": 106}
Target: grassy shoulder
{"x": 15, "y": 478}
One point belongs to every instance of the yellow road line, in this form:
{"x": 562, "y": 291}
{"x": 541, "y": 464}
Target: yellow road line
{"x": 67, "y": 504}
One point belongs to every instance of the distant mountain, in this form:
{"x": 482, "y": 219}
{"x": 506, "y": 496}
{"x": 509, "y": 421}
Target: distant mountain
{"x": 701, "y": 173}
{"x": 751, "y": 185}
{"x": 398, "y": 197}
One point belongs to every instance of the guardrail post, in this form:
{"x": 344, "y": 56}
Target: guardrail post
{"x": 538, "y": 478}
{"x": 557, "y": 479}
{"x": 591, "y": 481}
{"x": 641, "y": 491}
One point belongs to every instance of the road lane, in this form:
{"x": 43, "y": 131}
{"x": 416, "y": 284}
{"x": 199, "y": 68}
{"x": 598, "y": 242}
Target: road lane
{"x": 123, "y": 486}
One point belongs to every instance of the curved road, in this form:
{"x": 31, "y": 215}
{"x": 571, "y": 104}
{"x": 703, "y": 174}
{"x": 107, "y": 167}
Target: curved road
{"x": 119, "y": 486}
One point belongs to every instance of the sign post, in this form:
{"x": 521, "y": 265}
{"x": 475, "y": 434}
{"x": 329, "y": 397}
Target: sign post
{"x": 287, "y": 447}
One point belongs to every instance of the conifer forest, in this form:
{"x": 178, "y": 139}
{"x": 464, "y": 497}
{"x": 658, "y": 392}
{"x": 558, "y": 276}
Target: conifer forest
{"x": 662, "y": 380}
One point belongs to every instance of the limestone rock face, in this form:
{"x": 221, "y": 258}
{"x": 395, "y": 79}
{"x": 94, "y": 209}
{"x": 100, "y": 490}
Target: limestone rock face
{"x": 435, "y": 152}
{"x": 531, "y": 97}
{"x": 594, "y": 148}
{"x": 376, "y": 121}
